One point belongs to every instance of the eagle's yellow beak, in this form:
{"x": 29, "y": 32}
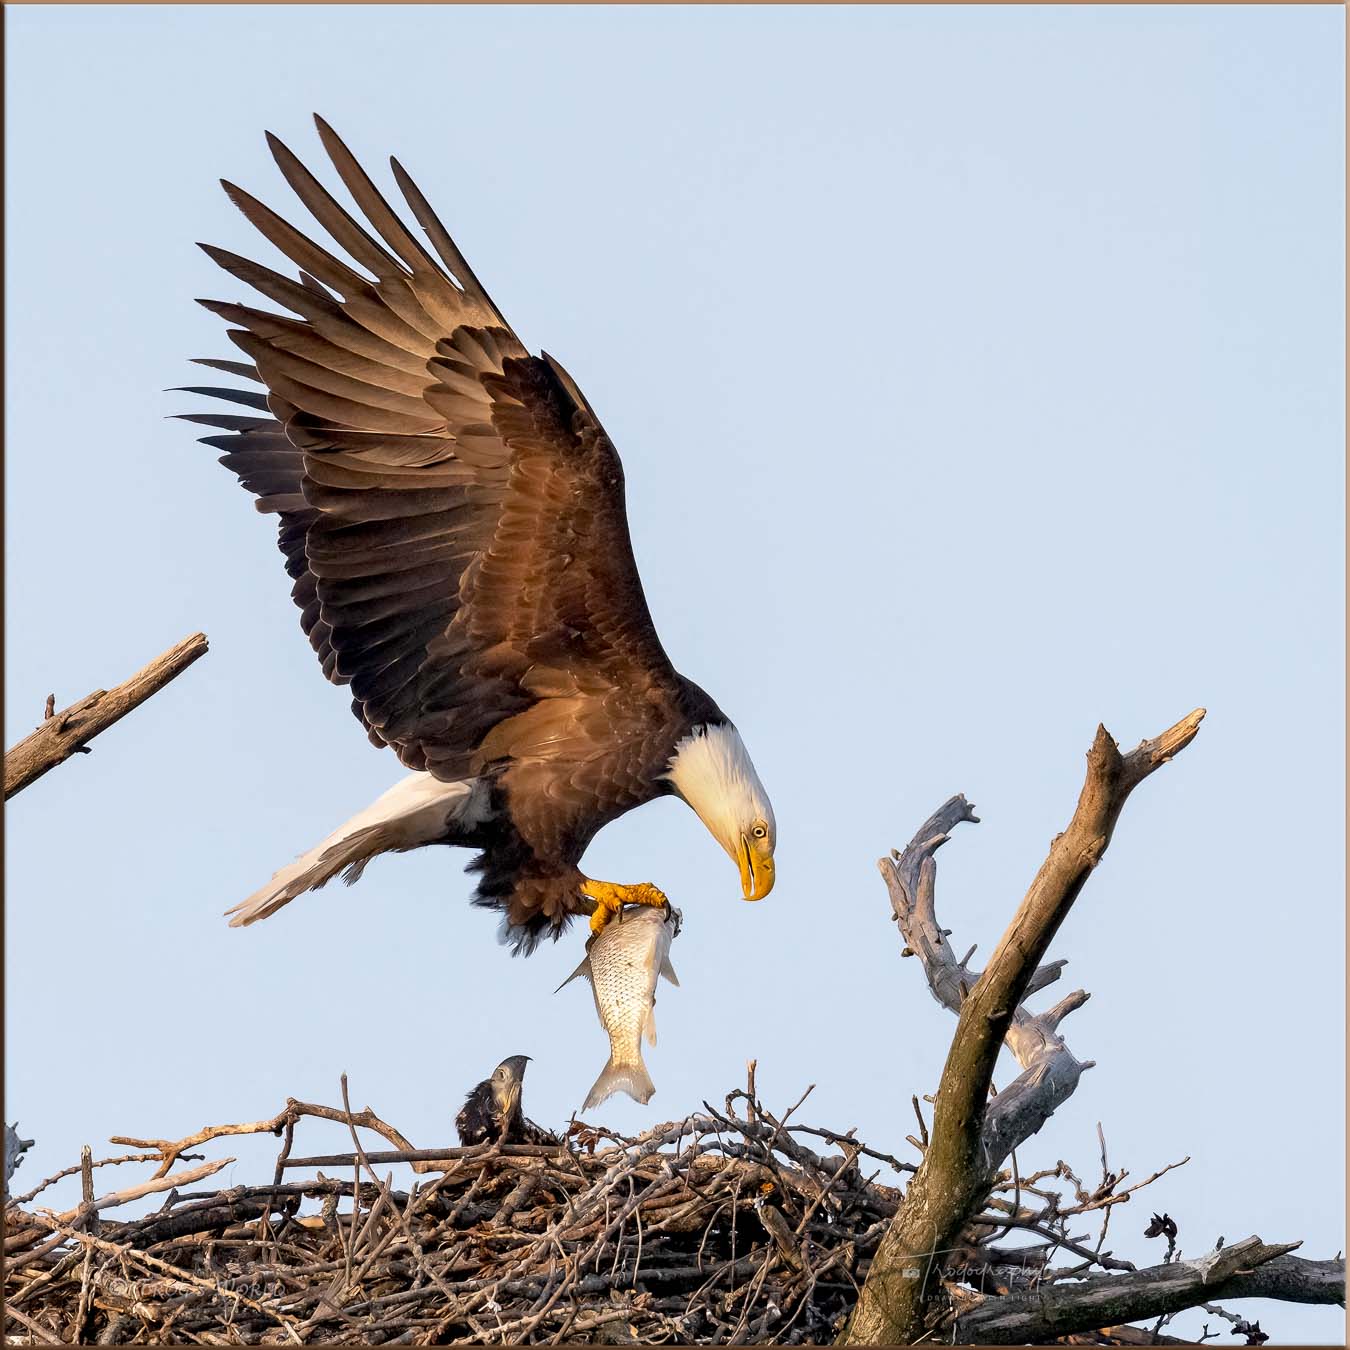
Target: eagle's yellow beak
{"x": 756, "y": 864}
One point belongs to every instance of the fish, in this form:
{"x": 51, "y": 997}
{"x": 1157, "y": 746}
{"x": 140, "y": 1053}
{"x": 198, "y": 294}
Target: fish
{"x": 621, "y": 964}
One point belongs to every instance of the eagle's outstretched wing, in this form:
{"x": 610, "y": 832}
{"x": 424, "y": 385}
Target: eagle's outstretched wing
{"x": 451, "y": 511}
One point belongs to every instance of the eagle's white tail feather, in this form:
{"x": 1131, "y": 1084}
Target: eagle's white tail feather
{"x": 417, "y": 810}
{"x": 630, "y": 1078}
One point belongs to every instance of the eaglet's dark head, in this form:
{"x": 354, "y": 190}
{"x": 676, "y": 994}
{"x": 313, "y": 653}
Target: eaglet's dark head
{"x": 492, "y": 1109}
{"x": 506, "y": 1081}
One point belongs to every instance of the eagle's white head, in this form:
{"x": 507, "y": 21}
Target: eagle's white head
{"x": 712, "y": 771}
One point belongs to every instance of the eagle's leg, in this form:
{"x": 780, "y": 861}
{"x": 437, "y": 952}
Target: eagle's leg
{"x": 611, "y": 896}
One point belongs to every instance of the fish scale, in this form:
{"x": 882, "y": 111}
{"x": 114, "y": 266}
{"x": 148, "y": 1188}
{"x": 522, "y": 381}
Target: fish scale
{"x": 621, "y": 964}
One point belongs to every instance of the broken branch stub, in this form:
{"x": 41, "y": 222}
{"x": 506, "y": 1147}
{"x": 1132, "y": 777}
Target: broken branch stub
{"x": 68, "y": 732}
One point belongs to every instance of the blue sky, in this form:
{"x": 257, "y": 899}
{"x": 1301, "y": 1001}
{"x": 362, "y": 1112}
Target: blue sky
{"x": 978, "y": 377}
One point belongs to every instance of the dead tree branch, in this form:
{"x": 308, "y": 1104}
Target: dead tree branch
{"x": 1049, "y": 1071}
{"x": 170, "y": 1150}
{"x": 1255, "y": 1270}
{"x": 955, "y": 1174}
{"x": 15, "y": 1148}
{"x": 68, "y": 732}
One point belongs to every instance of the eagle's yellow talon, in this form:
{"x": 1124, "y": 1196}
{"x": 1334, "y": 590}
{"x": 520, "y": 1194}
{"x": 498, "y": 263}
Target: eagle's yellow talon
{"x": 606, "y": 907}
{"x": 611, "y": 896}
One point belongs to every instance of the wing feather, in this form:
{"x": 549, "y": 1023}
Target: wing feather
{"x": 243, "y": 369}
{"x": 441, "y": 241}
{"x": 450, "y": 510}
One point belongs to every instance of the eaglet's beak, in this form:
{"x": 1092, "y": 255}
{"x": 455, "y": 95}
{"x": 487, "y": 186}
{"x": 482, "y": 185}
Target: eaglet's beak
{"x": 508, "y": 1099}
{"x": 756, "y": 864}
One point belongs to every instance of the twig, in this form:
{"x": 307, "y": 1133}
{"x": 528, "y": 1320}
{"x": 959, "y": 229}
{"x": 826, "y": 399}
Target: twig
{"x": 70, "y": 1172}
{"x": 169, "y": 1151}
{"x": 18, "y": 1240}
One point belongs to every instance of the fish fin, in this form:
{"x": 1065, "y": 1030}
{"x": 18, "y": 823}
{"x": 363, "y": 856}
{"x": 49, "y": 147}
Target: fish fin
{"x": 630, "y": 1078}
{"x": 582, "y": 969}
{"x": 651, "y": 1024}
{"x": 669, "y": 971}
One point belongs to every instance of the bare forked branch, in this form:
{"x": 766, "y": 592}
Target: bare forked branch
{"x": 958, "y": 1166}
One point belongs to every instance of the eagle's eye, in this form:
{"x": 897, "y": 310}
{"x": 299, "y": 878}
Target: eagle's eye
{"x": 759, "y": 832}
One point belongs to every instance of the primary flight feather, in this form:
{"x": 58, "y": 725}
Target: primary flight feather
{"x": 452, "y": 517}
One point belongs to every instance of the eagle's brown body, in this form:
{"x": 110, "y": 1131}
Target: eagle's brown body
{"x": 452, "y": 515}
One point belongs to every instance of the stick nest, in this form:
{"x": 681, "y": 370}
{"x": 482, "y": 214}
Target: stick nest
{"x": 723, "y": 1227}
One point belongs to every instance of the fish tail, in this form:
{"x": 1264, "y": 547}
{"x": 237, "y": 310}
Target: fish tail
{"x": 630, "y": 1078}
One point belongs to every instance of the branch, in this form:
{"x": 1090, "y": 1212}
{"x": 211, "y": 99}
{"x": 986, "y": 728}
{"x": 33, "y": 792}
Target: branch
{"x": 17, "y": 1241}
{"x": 955, "y": 1172}
{"x": 169, "y": 1150}
{"x": 1254, "y": 1270}
{"x": 428, "y": 1155}
{"x": 1050, "y": 1071}
{"x": 15, "y": 1148}
{"x": 68, "y": 732}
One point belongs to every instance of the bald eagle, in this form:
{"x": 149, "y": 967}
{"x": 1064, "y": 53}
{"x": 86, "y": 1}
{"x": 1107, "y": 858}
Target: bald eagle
{"x": 492, "y": 1111}
{"x": 452, "y": 517}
